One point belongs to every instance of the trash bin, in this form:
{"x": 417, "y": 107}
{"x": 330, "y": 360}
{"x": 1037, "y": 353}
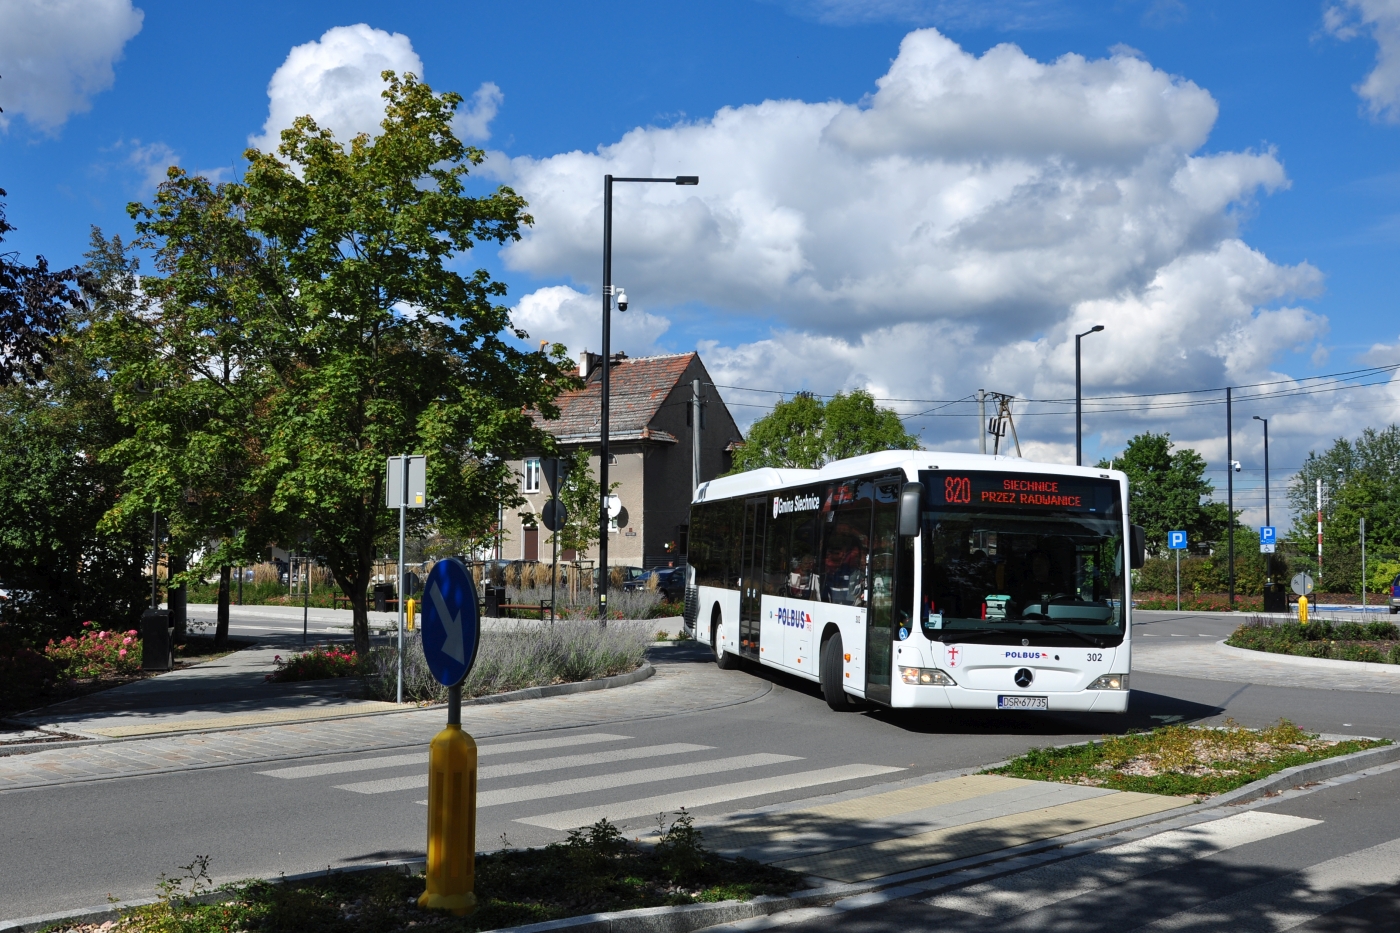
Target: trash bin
{"x": 495, "y": 597}
{"x": 1275, "y": 598}
{"x": 156, "y": 639}
{"x": 383, "y": 592}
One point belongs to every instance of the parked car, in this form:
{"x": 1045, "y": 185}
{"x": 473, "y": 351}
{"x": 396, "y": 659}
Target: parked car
{"x": 1395, "y": 595}
{"x": 670, "y": 581}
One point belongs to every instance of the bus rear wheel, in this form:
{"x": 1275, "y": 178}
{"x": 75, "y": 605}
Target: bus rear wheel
{"x": 833, "y": 689}
{"x": 723, "y": 659}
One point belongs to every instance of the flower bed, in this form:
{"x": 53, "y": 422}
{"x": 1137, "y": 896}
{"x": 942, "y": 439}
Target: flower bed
{"x": 320, "y": 663}
{"x": 95, "y": 653}
{"x": 595, "y": 870}
{"x": 517, "y": 655}
{"x": 1377, "y": 642}
{"x": 1182, "y": 760}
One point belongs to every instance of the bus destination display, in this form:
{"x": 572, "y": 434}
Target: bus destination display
{"x": 1019, "y": 491}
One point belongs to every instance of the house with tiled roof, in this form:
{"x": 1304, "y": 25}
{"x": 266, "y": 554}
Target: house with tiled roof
{"x": 651, "y": 443}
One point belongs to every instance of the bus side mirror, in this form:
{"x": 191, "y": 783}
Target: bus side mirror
{"x": 911, "y": 504}
{"x": 1139, "y": 547}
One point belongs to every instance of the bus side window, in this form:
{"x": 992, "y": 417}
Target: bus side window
{"x": 846, "y": 554}
{"x": 804, "y": 579}
{"x": 778, "y": 548}
{"x": 734, "y": 537}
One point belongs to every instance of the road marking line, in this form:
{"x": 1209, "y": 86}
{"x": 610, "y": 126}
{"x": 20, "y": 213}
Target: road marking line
{"x": 1295, "y": 899}
{"x": 595, "y": 758}
{"x": 1050, "y": 884}
{"x": 491, "y": 798}
{"x": 704, "y": 796}
{"x": 419, "y": 758}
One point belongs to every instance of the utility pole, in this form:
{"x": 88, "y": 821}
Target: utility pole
{"x": 1268, "y": 519}
{"x": 1078, "y": 400}
{"x": 694, "y": 437}
{"x": 1230, "y": 486}
{"x": 982, "y": 419}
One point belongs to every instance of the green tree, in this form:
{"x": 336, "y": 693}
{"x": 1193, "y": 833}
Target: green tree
{"x": 1360, "y": 478}
{"x": 1168, "y": 491}
{"x": 61, "y": 564}
{"x": 335, "y": 287}
{"x": 807, "y": 433}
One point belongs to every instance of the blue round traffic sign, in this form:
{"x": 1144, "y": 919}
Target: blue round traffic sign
{"x": 451, "y": 629}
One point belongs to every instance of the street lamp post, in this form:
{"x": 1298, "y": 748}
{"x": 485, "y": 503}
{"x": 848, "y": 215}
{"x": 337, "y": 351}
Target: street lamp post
{"x": 607, "y": 365}
{"x": 1079, "y": 398}
{"x": 1268, "y": 518}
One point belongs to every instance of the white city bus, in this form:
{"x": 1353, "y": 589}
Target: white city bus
{"x": 922, "y": 579}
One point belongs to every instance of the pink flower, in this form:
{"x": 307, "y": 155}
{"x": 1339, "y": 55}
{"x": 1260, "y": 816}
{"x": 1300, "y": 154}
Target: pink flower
{"x": 121, "y": 653}
{"x": 126, "y": 640}
{"x": 87, "y": 625}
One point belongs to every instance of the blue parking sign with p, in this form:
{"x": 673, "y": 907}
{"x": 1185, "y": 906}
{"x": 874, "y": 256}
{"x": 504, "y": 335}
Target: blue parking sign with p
{"x": 1268, "y": 534}
{"x": 1176, "y": 540}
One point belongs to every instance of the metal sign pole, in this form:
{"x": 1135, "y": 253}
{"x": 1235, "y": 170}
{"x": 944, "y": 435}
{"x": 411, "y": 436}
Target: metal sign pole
{"x": 1178, "y": 580}
{"x": 403, "y": 522}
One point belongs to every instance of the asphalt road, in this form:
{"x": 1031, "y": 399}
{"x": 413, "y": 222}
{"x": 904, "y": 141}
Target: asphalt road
{"x": 73, "y": 845}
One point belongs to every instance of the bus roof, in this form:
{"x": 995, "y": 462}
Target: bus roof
{"x": 756, "y": 482}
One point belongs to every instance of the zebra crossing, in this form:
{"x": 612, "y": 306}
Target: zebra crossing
{"x": 687, "y": 774}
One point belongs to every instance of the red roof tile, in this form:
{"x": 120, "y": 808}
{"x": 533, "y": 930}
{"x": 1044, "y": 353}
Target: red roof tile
{"x": 638, "y": 388}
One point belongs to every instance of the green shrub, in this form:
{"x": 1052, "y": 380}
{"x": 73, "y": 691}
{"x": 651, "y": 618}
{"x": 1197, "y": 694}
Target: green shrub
{"x": 320, "y": 663}
{"x": 95, "y": 652}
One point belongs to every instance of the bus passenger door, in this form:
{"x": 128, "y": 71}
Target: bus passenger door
{"x": 751, "y": 584}
{"x": 880, "y": 625}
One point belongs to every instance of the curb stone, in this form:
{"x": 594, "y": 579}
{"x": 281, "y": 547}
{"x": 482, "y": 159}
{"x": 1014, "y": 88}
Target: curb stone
{"x": 689, "y": 917}
{"x": 1332, "y": 664}
{"x": 527, "y": 693}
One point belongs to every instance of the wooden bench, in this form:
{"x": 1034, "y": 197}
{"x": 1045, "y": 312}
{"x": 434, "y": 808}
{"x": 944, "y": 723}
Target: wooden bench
{"x": 541, "y": 607}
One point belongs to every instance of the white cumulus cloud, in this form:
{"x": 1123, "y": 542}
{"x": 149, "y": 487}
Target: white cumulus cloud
{"x": 560, "y": 314}
{"x": 1381, "y": 18}
{"x": 952, "y": 230}
{"x": 55, "y": 55}
{"x": 336, "y": 80}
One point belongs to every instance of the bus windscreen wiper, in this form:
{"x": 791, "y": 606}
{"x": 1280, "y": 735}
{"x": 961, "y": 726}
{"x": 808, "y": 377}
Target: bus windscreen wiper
{"x": 1069, "y": 631}
{"x": 978, "y": 633}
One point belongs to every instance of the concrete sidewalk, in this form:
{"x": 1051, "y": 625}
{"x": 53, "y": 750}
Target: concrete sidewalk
{"x": 222, "y": 693}
{"x": 874, "y": 835}
{"x": 1215, "y": 660}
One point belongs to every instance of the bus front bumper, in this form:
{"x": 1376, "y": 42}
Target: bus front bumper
{"x": 1079, "y": 701}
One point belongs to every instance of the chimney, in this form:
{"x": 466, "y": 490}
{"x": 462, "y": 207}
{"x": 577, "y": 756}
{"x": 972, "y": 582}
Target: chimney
{"x": 587, "y": 362}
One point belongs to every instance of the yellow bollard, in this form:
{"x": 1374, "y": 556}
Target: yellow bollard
{"x": 411, "y": 608}
{"x": 1302, "y": 610}
{"x": 451, "y": 820}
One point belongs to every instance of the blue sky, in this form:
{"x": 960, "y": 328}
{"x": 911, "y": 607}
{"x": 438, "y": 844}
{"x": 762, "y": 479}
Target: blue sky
{"x": 1254, "y": 242}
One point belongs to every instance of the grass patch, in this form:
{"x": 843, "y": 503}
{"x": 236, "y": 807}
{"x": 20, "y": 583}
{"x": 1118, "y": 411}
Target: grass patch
{"x": 513, "y": 656}
{"x": 1378, "y": 641}
{"x": 596, "y": 869}
{"x": 1181, "y": 760}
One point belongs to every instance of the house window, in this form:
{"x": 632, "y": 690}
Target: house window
{"x": 532, "y": 474}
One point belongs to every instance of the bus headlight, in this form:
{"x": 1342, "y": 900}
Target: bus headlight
{"x": 926, "y": 677}
{"x": 1110, "y": 682}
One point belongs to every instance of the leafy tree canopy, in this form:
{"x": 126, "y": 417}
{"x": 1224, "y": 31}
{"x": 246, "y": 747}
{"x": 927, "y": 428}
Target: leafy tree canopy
{"x": 308, "y": 323}
{"x": 1168, "y": 491}
{"x": 34, "y": 305}
{"x": 807, "y": 433}
{"x": 1360, "y": 478}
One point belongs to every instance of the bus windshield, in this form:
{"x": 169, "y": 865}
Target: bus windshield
{"x": 1006, "y": 558}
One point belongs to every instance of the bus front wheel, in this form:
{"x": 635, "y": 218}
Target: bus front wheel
{"x": 723, "y": 659}
{"x": 833, "y": 689}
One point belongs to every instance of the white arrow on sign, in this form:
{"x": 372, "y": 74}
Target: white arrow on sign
{"x": 452, "y": 646}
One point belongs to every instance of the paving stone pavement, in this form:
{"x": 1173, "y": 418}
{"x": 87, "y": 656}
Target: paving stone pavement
{"x": 1208, "y": 660}
{"x": 676, "y": 687}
